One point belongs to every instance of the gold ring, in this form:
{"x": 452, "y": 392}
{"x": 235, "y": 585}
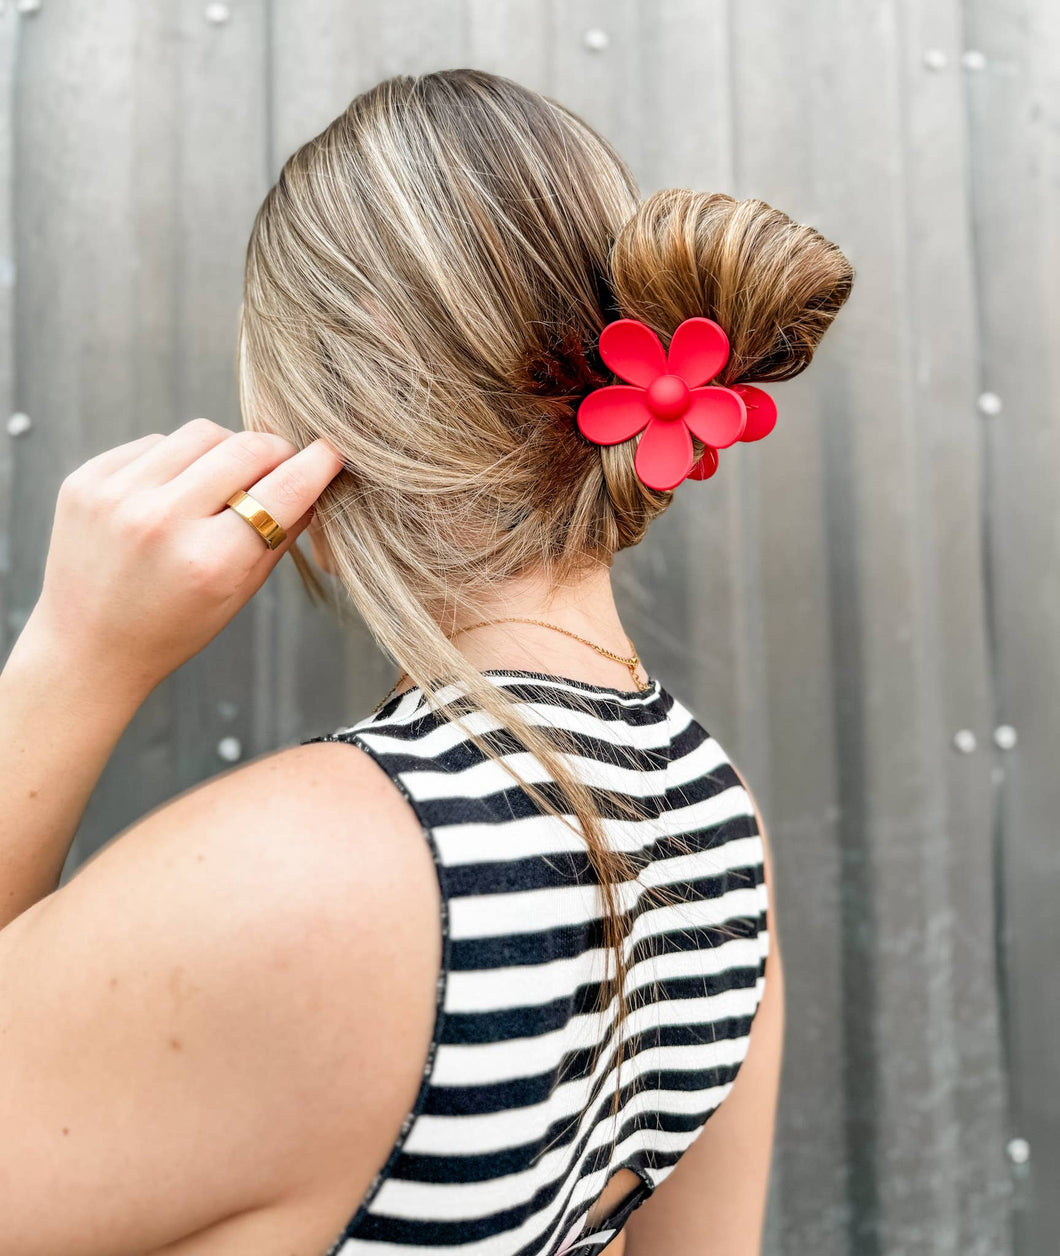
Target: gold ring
{"x": 258, "y": 517}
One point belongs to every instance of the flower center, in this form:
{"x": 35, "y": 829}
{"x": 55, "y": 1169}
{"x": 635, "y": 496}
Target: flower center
{"x": 668, "y": 396}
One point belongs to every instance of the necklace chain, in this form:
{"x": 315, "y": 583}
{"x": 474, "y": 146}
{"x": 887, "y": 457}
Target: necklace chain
{"x": 632, "y": 661}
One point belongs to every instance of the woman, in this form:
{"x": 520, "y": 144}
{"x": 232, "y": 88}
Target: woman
{"x": 473, "y": 973}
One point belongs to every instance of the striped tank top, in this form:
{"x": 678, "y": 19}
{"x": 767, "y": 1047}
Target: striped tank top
{"x": 511, "y": 1137}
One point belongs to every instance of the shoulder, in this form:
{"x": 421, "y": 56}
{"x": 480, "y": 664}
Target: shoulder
{"x": 306, "y": 824}
{"x": 295, "y": 863}
{"x": 278, "y": 853}
{"x": 750, "y": 808}
{"x": 768, "y": 876}
{"x": 212, "y": 987}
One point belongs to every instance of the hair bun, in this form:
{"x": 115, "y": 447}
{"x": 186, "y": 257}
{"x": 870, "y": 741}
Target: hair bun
{"x": 773, "y": 284}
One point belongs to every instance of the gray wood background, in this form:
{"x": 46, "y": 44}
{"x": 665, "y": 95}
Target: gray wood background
{"x": 854, "y": 607}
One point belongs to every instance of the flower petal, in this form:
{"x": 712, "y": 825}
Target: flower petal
{"x": 633, "y": 351}
{"x": 761, "y": 411}
{"x": 716, "y": 415}
{"x": 698, "y": 350}
{"x": 706, "y": 466}
{"x": 664, "y": 454}
{"x": 613, "y": 414}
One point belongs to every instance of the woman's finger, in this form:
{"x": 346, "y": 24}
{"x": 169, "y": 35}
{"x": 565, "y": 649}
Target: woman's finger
{"x": 167, "y": 458}
{"x": 294, "y": 531}
{"x": 202, "y": 488}
{"x": 111, "y": 460}
{"x": 288, "y": 491}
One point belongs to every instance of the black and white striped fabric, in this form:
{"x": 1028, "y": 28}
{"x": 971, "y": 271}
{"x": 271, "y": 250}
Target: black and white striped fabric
{"x": 511, "y": 1138}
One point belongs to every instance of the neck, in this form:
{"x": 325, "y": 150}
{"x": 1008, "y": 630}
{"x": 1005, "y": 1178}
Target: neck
{"x": 585, "y": 606}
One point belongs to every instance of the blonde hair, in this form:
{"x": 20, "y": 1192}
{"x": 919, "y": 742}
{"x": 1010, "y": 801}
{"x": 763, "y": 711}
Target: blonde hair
{"x": 425, "y": 286}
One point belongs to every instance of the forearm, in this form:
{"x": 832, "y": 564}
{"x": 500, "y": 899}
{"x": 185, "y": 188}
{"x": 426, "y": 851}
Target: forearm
{"x": 60, "y": 720}
{"x": 144, "y": 569}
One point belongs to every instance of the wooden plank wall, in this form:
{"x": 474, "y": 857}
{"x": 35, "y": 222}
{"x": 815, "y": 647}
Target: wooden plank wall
{"x": 1015, "y": 111}
{"x": 8, "y": 31}
{"x": 839, "y": 604}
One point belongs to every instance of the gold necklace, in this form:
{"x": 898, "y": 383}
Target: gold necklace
{"x": 632, "y": 662}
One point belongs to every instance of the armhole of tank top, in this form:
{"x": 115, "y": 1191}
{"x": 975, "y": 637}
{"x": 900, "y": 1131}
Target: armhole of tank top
{"x": 761, "y": 935}
{"x": 753, "y": 830}
{"x": 749, "y": 824}
{"x": 352, "y": 738}
{"x": 764, "y": 891}
{"x": 763, "y": 888}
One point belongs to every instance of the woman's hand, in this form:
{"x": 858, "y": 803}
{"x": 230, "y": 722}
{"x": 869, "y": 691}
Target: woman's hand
{"x": 147, "y": 564}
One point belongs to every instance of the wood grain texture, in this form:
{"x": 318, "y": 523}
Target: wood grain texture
{"x": 1014, "y": 105}
{"x": 9, "y": 621}
{"x": 796, "y": 776}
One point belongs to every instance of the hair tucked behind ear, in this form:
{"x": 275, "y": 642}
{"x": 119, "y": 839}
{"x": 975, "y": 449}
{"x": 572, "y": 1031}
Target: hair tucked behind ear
{"x": 425, "y": 287}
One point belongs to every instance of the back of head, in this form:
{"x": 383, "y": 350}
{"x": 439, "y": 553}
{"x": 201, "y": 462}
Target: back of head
{"x": 425, "y": 287}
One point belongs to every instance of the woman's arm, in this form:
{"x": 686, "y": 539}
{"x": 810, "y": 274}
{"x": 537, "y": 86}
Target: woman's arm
{"x": 186, "y": 1025}
{"x": 60, "y": 719}
{"x": 145, "y": 566}
{"x": 156, "y": 1073}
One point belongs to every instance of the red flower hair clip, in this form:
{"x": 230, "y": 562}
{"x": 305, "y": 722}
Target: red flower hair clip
{"x": 668, "y": 398}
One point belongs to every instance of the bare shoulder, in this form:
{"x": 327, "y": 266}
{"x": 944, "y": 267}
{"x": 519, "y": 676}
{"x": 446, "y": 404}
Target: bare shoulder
{"x": 210, "y": 991}
{"x": 303, "y": 863}
{"x": 299, "y": 805}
